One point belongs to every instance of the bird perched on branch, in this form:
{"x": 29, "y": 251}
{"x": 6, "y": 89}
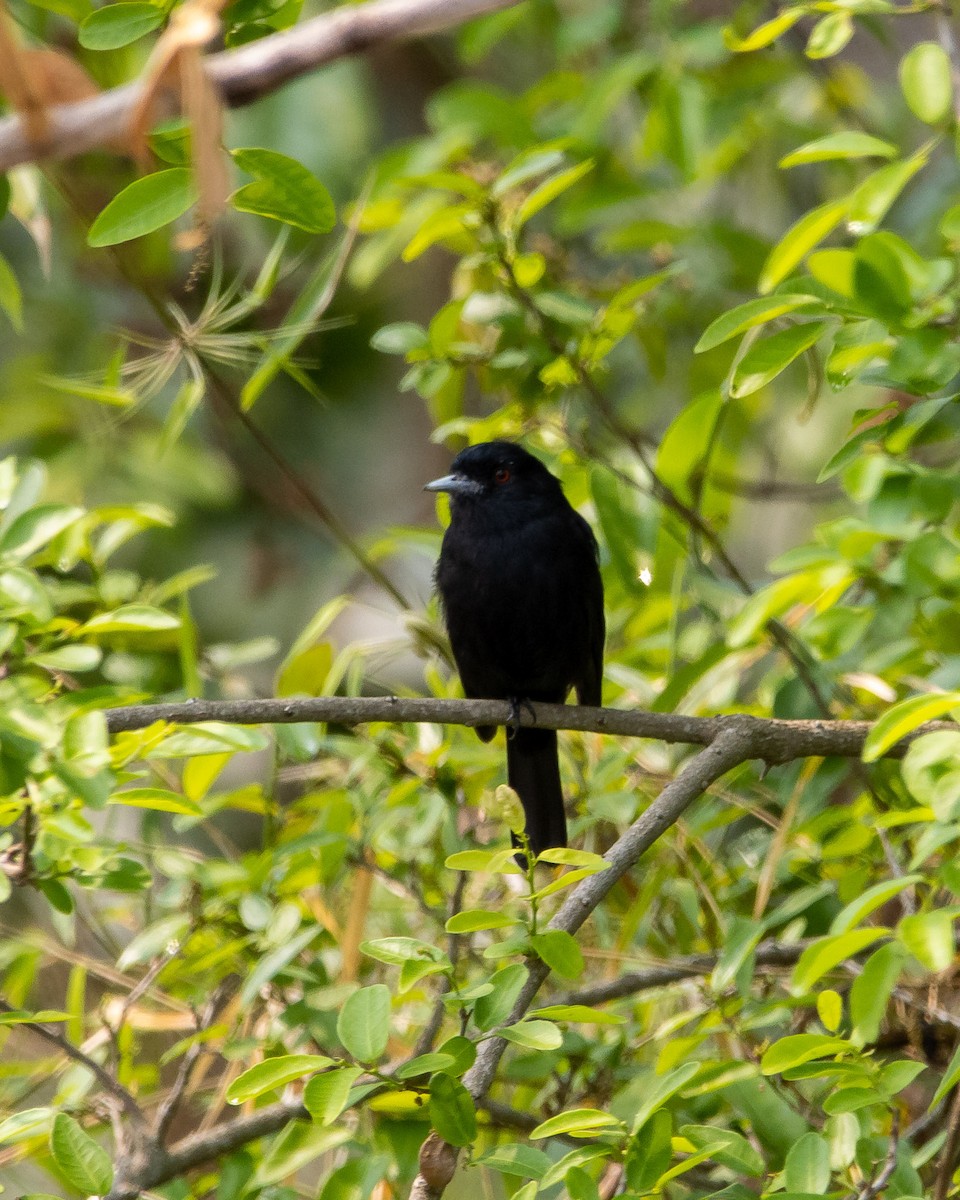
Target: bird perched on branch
{"x": 523, "y": 601}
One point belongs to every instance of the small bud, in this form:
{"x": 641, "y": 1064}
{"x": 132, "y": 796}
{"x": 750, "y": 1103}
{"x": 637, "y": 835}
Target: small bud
{"x": 507, "y": 807}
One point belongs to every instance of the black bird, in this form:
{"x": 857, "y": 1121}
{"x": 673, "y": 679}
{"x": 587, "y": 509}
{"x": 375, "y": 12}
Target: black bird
{"x": 523, "y": 600}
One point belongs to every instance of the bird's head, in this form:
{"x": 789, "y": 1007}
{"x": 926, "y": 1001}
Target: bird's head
{"x": 498, "y": 472}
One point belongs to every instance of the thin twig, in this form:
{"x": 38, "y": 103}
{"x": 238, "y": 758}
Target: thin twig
{"x": 876, "y": 1185}
{"x": 110, "y": 1085}
{"x": 171, "y": 1102}
{"x": 948, "y": 1155}
{"x": 692, "y": 966}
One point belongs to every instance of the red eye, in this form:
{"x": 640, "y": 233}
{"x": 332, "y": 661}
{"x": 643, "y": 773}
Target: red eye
{"x": 501, "y": 475}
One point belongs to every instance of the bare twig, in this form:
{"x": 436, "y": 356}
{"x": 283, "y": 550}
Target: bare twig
{"x": 248, "y": 72}
{"x": 432, "y": 1028}
{"x": 692, "y": 966}
{"x": 168, "y": 1108}
{"x": 876, "y": 1185}
{"x": 948, "y": 1155}
{"x": 109, "y": 1084}
{"x": 770, "y": 739}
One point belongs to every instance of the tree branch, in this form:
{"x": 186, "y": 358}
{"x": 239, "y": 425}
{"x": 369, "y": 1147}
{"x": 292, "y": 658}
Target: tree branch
{"x": 767, "y": 738}
{"x": 768, "y": 954}
{"x": 731, "y": 747}
{"x": 152, "y": 1165}
{"x": 246, "y": 73}
{"x": 109, "y": 1084}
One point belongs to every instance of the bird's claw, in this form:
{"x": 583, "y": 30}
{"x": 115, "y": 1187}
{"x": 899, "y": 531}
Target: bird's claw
{"x": 517, "y": 704}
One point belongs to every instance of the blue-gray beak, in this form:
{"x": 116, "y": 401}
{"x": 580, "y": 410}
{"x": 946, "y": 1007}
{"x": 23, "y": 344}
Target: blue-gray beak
{"x": 456, "y": 485}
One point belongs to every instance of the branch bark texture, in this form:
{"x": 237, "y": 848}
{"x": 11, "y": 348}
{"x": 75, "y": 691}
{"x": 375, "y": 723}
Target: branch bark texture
{"x": 246, "y": 73}
{"x": 770, "y": 739}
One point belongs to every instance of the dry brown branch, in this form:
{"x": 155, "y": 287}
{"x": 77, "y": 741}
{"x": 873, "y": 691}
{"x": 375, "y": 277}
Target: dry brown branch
{"x": 246, "y": 73}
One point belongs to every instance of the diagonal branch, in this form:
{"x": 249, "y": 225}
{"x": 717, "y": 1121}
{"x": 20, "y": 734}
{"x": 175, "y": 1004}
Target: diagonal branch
{"x": 731, "y": 747}
{"x": 110, "y": 1085}
{"x": 246, "y": 73}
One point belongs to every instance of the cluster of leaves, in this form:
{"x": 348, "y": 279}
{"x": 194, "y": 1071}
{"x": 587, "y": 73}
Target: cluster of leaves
{"x": 258, "y": 917}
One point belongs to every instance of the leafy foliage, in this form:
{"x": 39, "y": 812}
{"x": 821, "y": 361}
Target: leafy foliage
{"x": 672, "y": 251}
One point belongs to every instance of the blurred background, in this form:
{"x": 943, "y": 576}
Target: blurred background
{"x": 686, "y": 138}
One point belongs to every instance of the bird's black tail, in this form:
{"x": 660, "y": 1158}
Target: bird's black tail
{"x": 533, "y": 771}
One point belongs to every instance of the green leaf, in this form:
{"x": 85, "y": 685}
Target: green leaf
{"x": 661, "y": 1089}
{"x": 578, "y": 1013}
{"x": 535, "y": 1035}
{"x": 827, "y": 952}
{"x": 649, "y": 1152}
{"x": 830, "y": 34}
{"x": 560, "y": 951}
{"x": 871, "y": 990}
{"x": 766, "y": 33}
{"x": 896, "y": 1076}
{"x": 83, "y": 1161}
{"x": 400, "y": 338}
{"x": 747, "y": 316}
{"x": 830, "y": 1009}
{"x": 849, "y": 144}
{"x": 399, "y": 950}
{"x": 131, "y": 618}
{"x": 326, "y": 1096}
{"x": 807, "y": 1168}
{"x": 552, "y": 187}
{"x": 951, "y": 1076}
{"x": 363, "y": 1025}
{"x": 874, "y": 197}
{"x": 143, "y": 206}
{"x": 569, "y": 857}
{"x": 800, "y": 1048}
{"x": 495, "y": 1007}
{"x": 35, "y": 528}
{"x": 499, "y": 861}
{"x": 929, "y": 938}
{"x": 11, "y": 298}
{"x": 515, "y": 1158}
{"x": 273, "y": 963}
{"x": 427, "y": 1064}
{"x": 22, "y": 1017}
{"x": 273, "y": 1074}
{"x": 158, "y": 799}
{"x": 578, "y": 1122}
{"x": 770, "y": 355}
{"x": 869, "y": 901}
{"x": 927, "y": 83}
{"x": 75, "y": 659}
{"x": 728, "y": 1148}
{"x": 210, "y": 737}
{"x": 798, "y": 241}
{"x": 452, "y": 1111}
{"x": 473, "y": 919}
{"x": 904, "y": 718}
{"x": 285, "y": 191}
{"x": 118, "y": 25}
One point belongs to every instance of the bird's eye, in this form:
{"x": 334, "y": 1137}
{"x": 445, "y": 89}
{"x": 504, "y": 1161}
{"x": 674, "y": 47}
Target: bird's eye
{"x": 501, "y": 475}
